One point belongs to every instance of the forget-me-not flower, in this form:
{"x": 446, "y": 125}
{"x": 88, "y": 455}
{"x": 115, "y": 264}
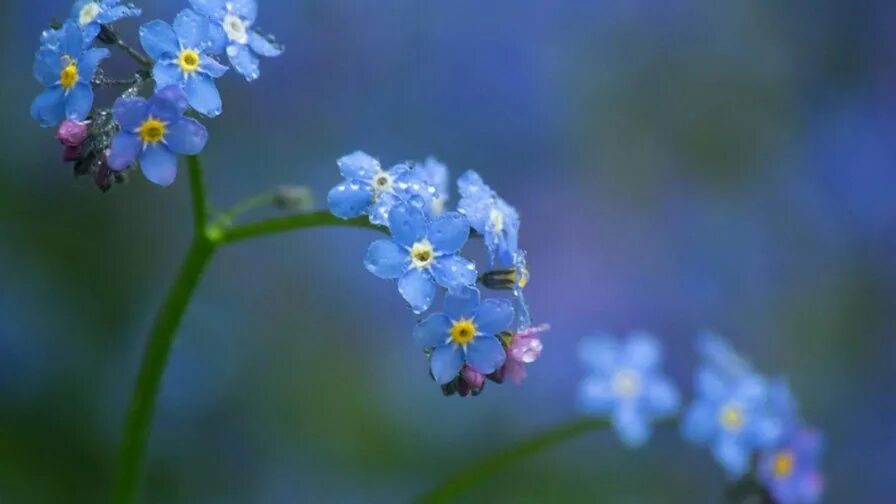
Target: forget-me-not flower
{"x": 791, "y": 470}
{"x": 497, "y": 221}
{"x": 182, "y": 56}
{"x": 466, "y": 333}
{"x": 436, "y": 173}
{"x": 66, "y": 68}
{"x": 627, "y": 384}
{"x": 422, "y": 254}
{"x": 154, "y": 132}
{"x": 90, "y": 15}
{"x": 368, "y": 189}
{"x": 232, "y": 31}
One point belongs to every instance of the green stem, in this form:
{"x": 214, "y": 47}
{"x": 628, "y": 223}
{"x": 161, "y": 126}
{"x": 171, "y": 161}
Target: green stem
{"x": 198, "y": 196}
{"x": 472, "y": 475}
{"x": 276, "y": 225}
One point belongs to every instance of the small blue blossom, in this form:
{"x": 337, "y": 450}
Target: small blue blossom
{"x": 436, "y": 173}
{"x": 368, "y": 189}
{"x": 232, "y": 31}
{"x": 66, "y": 68}
{"x": 497, "y": 221}
{"x": 182, "y": 56}
{"x": 466, "y": 333}
{"x": 90, "y": 15}
{"x": 627, "y": 384}
{"x": 154, "y": 132}
{"x": 791, "y": 470}
{"x": 422, "y": 254}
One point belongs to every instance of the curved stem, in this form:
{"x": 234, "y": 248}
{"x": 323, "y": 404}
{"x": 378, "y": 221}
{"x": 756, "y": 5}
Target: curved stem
{"x": 276, "y": 225}
{"x": 198, "y": 196}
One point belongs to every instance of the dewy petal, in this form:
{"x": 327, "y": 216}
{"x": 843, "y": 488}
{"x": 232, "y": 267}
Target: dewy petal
{"x": 191, "y": 29}
{"x": 124, "y": 150}
{"x": 349, "y": 199}
{"x": 449, "y": 232}
{"x": 212, "y": 67}
{"x": 445, "y": 363}
{"x": 462, "y": 303}
{"x": 159, "y": 164}
{"x": 48, "y": 109}
{"x": 47, "y": 66}
{"x": 263, "y": 46}
{"x": 432, "y": 331}
{"x": 159, "y": 40}
{"x": 243, "y": 61}
{"x": 72, "y": 42}
{"x": 453, "y": 272}
{"x": 494, "y": 316}
{"x": 166, "y": 74}
{"x": 79, "y": 101}
{"x": 168, "y": 104}
{"x": 89, "y": 60}
{"x": 407, "y": 223}
{"x": 186, "y": 136}
{"x": 214, "y": 9}
{"x": 130, "y": 112}
{"x": 386, "y": 259}
{"x": 246, "y": 9}
{"x": 485, "y": 354}
{"x": 118, "y": 12}
{"x": 642, "y": 351}
{"x": 203, "y": 95}
{"x": 417, "y": 288}
{"x": 358, "y": 165}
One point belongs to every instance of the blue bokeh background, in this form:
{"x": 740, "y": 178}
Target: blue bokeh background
{"x": 679, "y": 166}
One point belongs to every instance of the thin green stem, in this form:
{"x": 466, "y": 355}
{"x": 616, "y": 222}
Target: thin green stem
{"x": 226, "y": 218}
{"x": 198, "y": 194}
{"x": 294, "y": 222}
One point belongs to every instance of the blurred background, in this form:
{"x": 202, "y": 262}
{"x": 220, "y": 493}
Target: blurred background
{"x": 679, "y": 166}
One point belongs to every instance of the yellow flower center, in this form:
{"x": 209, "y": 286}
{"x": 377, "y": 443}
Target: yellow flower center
{"x": 188, "y": 61}
{"x": 782, "y": 465}
{"x": 68, "y": 77}
{"x": 463, "y": 331}
{"x": 422, "y": 254}
{"x": 152, "y": 131}
{"x": 731, "y": 417}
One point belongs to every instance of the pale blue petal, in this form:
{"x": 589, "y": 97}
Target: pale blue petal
{"x": 349, "y": 199}
{"x": 601, "y": 353}
{"x": 709, "y": 384}
{"x": 191, "y": 29}
{"x": 89, "y": 60}
{"x": 733, "y": 457}
{"x": 445, "y": 363}
{"x": 77, "y": 7}
{"x": 168, "y": 104}
{"x": 243, "y": 61}
{"x": 212, "y": 67}
{"x": 79, "y": 101}
{"x": 662, "y": 397}
{"x": 214, "y": 9}
{"x": 123, "y": 151}
{"x": 596, "y": 395}
{"x": 494, "y": 316}
{"x": 186, "y": 136}
{"x": 453, "y": 272}
{"x": 159, "y": 164}
{"x": 159, "y": 40}
{"x": 263, "y": 46}
{"x": 432, "y": 331}
{"x": 130, "y": 112}
{"x": 90, "y": 32}
{"x": 386, "y": 259}
{"x": 203, "y": 95}
{"x": 462, "y": 303}
{"x": 449, "y": 232}
{"x": 118, "y": 12}
{"x": 167, "y": 74}
{"x": 379, "y": 211}
{"x": 48, "y": 109}
{"x": 417, "y": 288}
{"x": 408, "y": 224}
{"x": 631, "y": 426}
{"x": 642, "y": 351}
{"x": 358, "y": 165}
{"x": 217, "y": 38}
{"x": 700, "y": 421}
{"x": 246, "y": 9}
{"x": 485, "y": 354}
{"x": 47, "y": 66}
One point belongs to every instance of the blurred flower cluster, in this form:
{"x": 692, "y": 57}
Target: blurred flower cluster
{"x": 178, "y": 70}
{"x": 472, "y": 339}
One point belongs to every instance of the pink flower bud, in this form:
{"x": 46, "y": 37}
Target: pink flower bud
{"x": 72, "y": 133}
{"x": 473, "y": 378}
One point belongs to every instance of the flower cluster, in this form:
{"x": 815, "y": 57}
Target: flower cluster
{"x": 749, "y": 422}
{"x": 472, "y": 339}
{"x": 178, "y": 71}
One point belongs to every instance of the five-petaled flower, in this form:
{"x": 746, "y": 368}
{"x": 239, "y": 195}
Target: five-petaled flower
{"x": 368, "y": 189}
{"x": 466, "y": 333}
{"x": 66, "y": 68}
{"x": 790, "y": 470}
{"x": 627, "y": 384}
{"x": 421, "y": 254}
{"x": 90, "y": 15}
{"x": 232, "y": 31}
{"x": 153, "y": 132}
{"x": 182, "y": 56}
{"x": 497, "y": 221}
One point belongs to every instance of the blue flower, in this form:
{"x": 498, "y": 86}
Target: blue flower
{"x": 183, "y": 57}
{"x": 627, "y": 384}
{"x": 422, "y": 254}
{"x": 232, "y": 28}
{"x": 153, "y": 132}
{"x": 436, "y": 173}
{"x": 368, "y": 189}
{"x": 791, "y": 470}
{"x": 64, "y": 66}
{"x": 90, "y": 15}
{"x": 497, "y": 221}
{"x": 466, "y": 333}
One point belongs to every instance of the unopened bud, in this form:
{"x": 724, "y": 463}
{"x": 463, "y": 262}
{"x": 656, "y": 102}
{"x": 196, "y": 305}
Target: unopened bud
{"x": 72, "y": 133}
{"x": 294, "y": 198}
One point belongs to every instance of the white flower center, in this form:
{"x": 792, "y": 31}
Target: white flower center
{"x": 236, "y": 29}
{"x": 626, "y": 383}
{"x": 89, "y": 13}
{"x": 382, "y": 182}
{"x": 497, "y": 220}
{"x": 422, "y": 254}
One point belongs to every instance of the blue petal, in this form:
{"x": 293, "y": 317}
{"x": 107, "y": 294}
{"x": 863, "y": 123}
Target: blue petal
{"x": 118, "y": 12}
{"x": 90, "y": 32}
{"x": 168, "y": 104}
{"x": 123, "y": 151}
{"x": 485, "y": 354}
{"x": 432, "y": 331}
{"x": 596, "y": 395}
{"x": 47, "y": 66}
{"x": 449, "y": 232}
{"x": 214, "y": 9}
{"x": 79, "y": 101}
{"x": 191, "y": 29}
{"x": 601, "y": 353}
{"x": 494, "y": 316}
{"x": 700, "y": 421}
{"x": 358, "y": 165}
{"x": 379, "y": 211}
{"x": 453, "y": 272}
{"x": 417, "y": 288}
{"x": 212, "y": 67}
{"x": 72, "y": 41}
{"x": 167, "y": 74}
{"x": 445, "y": 363}
{"x": 710, "y": 385}
{"x": 642, "y": 351}
{"x": 130, "y": 113}
{"x": 243, "y": 61}
{"x": 186, "y": 136}
{"x": 89, "y": 60}
{"x": 470, "y": 185}
{"x": 77, "y": 7}
{"x": 246, "y": 9}
{"x": 408, "y": 224}
{"x": 386, "y": 259}
{"x": 662, "y": 397}
{"x": 159, "y": 164}
{"x": 48, "y": 109}
{"x": 159, "y": 40}
{"x": 733, "y": 457}
{"x": 631, "y": 426}
{"x": 349, "y": 199}
{"x": 203, "y": 95}
{"x": 263, "y": 46}
{"x": 217, "y": 38}
{"x": 462, "y": 303}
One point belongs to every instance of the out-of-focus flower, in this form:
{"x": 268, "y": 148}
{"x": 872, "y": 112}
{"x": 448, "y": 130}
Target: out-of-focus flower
{"x": 523, "y": 348}
{"x": 790, "y": 470}
{"x": 422, "y": 254}
{"x": 368, "y": 189}
{"x": 183, "y": 57}
{"x": 90, "y": 15}
{"x": 72, "y": 133}
{"x": 66, "y": 69}
{"x": 154, "y": 132}
{"x": 436, "y": 173}
{"x": 627, "y": 384}
{"x": 466, "y": 333}
{"x": 491, "y": 216}
{"x": 231, "y": 30}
